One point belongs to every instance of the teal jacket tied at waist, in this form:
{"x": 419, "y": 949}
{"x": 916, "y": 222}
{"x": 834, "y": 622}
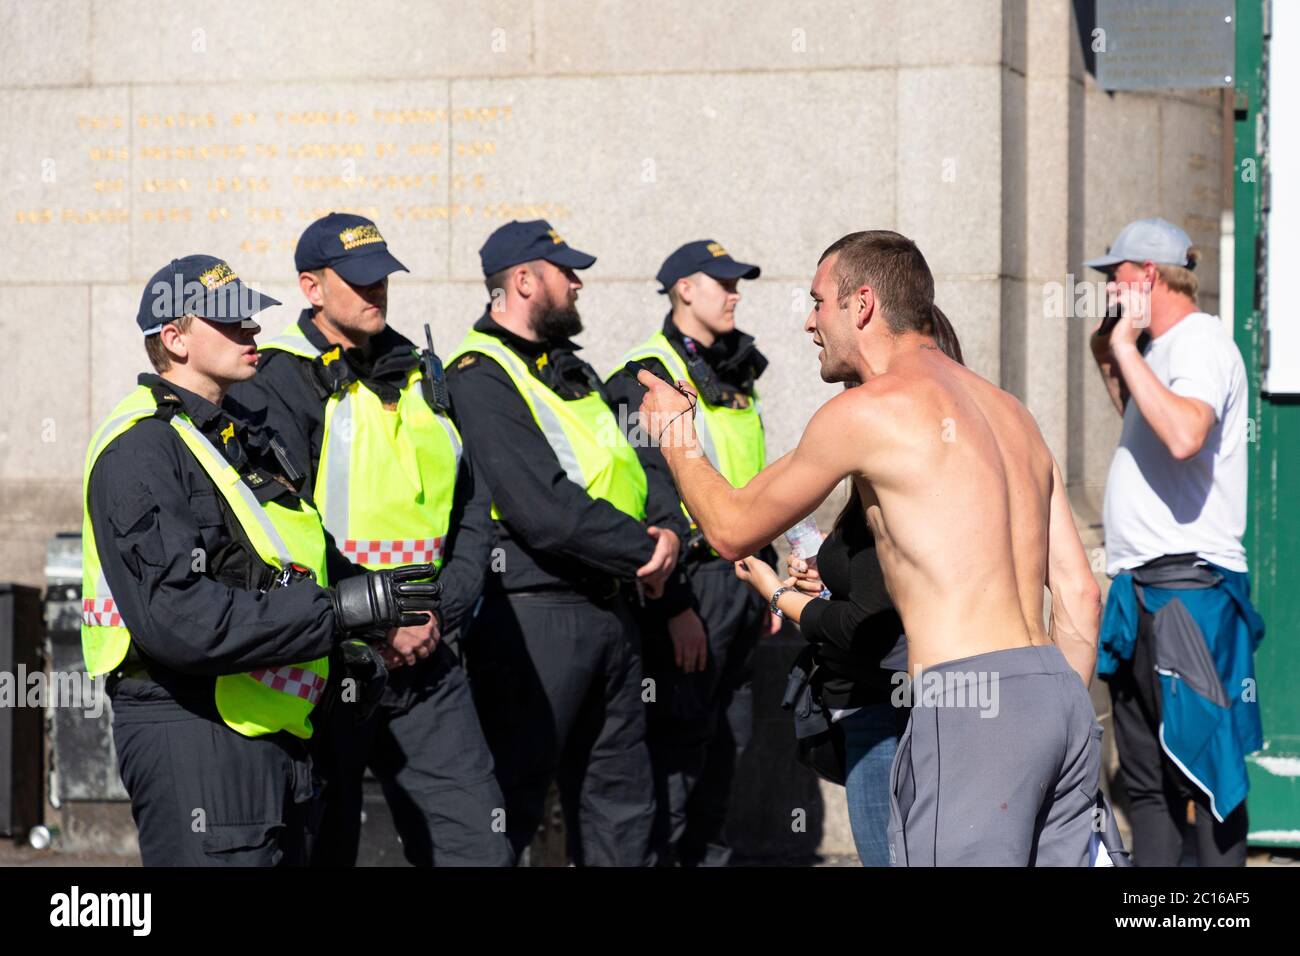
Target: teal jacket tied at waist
{"x": 1206, "y": 631}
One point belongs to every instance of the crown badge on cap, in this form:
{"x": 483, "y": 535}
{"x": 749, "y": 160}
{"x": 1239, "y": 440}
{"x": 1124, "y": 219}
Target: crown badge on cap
{"x": 715, "y": 248}
{"x": 359, "y": 236}
{"x": 555, "y": 236}
{"x": 217, "y": 276}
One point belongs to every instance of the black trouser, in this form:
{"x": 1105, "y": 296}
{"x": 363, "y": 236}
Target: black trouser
{"x": 425, "y": 746}
{"x": 1157, "y": 790}
{"x": 557, "y": 679}
{"x": 699, "y": 724}
{"x": 204, "y": 795}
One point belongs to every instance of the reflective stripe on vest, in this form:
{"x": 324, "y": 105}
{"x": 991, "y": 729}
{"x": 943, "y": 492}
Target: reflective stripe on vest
{"x": 732, "y": 438}
{"x": 262, "y": 702}
{"x": 380, "y": 476}
{"x": 583, "y": 433}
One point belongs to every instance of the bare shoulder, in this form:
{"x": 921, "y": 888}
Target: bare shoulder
{"x": 870, "y": 408}
{"x": 1024, "y": 431}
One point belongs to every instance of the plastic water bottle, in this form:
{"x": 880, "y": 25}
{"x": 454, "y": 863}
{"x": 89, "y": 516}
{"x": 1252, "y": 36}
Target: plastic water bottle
{"x": 805, "y": 541}
{"x": 41, "y": 837}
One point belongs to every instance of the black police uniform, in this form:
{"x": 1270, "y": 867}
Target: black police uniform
{"x": 702, "y": 722}
{"x": 424, "y": 742}
{"x": 554, "y": 651}
{"x": 202, "y": 794}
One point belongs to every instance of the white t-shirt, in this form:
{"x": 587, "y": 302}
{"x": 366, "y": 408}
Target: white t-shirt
{"x": 1157, "y": 505}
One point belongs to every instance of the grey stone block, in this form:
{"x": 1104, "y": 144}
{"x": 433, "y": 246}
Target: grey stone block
{"x": 663, "y": 159}
{"x": 942, "y": 33}
{"x": 1016, "y": 175}
{"x": 46, "y": 427}
{"x": 1121, "y": 165}
{"x": 66, "y": 193}
{"x": 46, "y": 44}
{"x": 338, "y": 40}
{"x": 1049, "y": 163}
{"x": 32, "y": 510}
{"x": 1052, "y": 40}
{"x": 974, "y": 307}
{"x": 243, "y": 171}
{"x": 574, "y": 36}
{"x": 949, "y": 166}
{"x": 1191, "y": 184}
{"x": 119, "y": 347}
{"x": 1045, "y": 346}
{"x": 1102, "y": 425}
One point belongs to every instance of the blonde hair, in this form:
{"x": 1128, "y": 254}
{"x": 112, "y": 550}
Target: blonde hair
{"x": 159, "y": 357}
{"x": 1182, "y": 279}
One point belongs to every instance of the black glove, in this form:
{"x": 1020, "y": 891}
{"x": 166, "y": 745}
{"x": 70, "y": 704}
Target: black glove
{"x": 386, "y": 599}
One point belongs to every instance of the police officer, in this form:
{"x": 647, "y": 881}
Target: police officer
{"x": 703, "y": 718}
{"x": 554, "y": 651}
{"x": 205, "y": 591}
{"x": 386, "y": 469}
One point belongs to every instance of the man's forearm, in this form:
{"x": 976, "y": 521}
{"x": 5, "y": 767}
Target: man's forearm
{"x": 726, "y": 515}
{"x": 708, "y": 495}
{"x": 1172, "y": 417}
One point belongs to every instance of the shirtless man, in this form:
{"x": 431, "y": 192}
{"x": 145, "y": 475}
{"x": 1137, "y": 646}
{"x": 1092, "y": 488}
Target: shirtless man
{"x": 970, "y": 517}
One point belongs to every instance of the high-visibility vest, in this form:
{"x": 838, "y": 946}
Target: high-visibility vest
{"x": 264, "y": 701}
{"x": 583, "y": 432}
{"x": 731, "y": 438}
{"x": 386, "y": 479}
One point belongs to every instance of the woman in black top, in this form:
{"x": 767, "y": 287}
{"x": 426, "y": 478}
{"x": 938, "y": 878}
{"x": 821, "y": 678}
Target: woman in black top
{"x": 858, "y": 646}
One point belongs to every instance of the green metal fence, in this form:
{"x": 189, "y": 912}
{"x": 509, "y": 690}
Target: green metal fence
{"x": 1273, "y": 527}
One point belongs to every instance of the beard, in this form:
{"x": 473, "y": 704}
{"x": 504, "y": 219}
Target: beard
{"x": 552, "y": 322}
{"x": 834, "y": 373}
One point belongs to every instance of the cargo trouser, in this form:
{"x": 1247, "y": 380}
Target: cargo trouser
{"x": 425, "y": 746}
{"x": 203, "y": 795}
{"x": 699, "y": 724}
{"x": 557, "y": 679}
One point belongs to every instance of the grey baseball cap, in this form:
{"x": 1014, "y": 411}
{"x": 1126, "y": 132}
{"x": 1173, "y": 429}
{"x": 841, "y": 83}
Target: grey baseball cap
{"x": 1146, "y": 240}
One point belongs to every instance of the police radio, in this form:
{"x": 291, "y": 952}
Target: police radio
{"x": 433, "y": 379}
{"x": 702, "y": 374}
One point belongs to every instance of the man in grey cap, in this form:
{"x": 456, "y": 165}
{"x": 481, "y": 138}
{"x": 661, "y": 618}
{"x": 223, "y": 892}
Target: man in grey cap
{"x": 1179, "y": 613}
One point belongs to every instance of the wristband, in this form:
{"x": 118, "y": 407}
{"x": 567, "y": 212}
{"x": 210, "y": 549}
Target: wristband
{"x": 659, "y": 440}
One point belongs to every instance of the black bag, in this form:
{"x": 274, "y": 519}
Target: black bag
{"x": 819, "y": 741}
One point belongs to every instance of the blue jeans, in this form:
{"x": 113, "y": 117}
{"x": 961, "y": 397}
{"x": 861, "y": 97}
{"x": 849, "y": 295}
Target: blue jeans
{"x": 870, "y": 739}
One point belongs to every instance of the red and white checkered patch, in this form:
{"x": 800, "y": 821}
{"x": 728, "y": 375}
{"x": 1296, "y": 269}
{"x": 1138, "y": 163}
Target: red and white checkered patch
{"x": 398, "y": 551}
{"x": 100, "y": 612}
{"x": 294, "y": 681}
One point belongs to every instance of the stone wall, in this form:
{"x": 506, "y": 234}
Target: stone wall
{"x": 134, "y": 132}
